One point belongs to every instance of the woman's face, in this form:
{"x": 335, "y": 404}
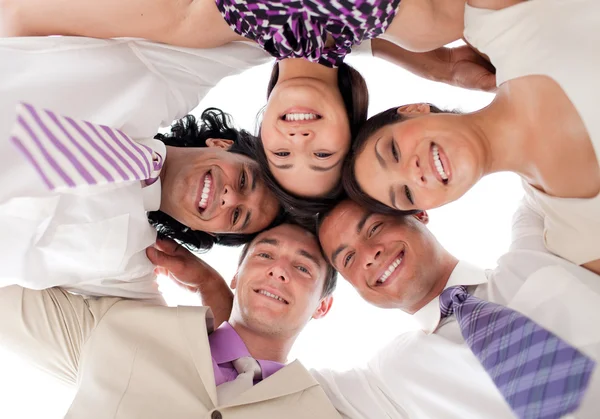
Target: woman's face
{"x": 213, "y": 190}
{"x": 423, "y": 162}
{"x": 306, "y": 135}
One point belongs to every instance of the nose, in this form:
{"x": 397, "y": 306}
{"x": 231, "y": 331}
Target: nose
{"x": 279, "y": 273}
{"x": 372, "y": 255}
{"x": 417, "y": 176}
{"x": 229, "y": 197}
{"x": 299, "y": 134}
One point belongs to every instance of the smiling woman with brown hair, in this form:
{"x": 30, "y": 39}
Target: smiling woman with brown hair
{"x": 542, "y": 125}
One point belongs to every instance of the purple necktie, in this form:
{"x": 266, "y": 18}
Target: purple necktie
{"x": 68, "y": 153}
{"x": 539, "y": 374}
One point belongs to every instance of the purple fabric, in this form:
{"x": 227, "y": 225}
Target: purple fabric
{"x": 540, "y": 375}
{"x": 69, "y": 153}
{"x": 225, "y": 347}
{"x": 299, "y": 28}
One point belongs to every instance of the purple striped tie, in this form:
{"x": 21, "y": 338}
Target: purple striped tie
{"x": 68, "y": 153}
{"x": 539, "y": 375}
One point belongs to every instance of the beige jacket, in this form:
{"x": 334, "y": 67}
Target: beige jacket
{"x": 130, "y": 359}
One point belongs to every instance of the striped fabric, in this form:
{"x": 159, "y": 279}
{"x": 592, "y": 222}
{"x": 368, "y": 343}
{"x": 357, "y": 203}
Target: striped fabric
{"x": 540, "y": 375}
{"x": 68, "y": 153}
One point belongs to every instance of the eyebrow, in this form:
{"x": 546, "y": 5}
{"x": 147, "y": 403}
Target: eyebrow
{"x": 359, "y": 226}
{"x": 325, "y": 169}
{"x": 255, "y": 174}
{"x": 246, "y": 221}
{"x": 379, "y": 157}
{"x": 336, "y": 253}
{"x": 283, "y": 166}
{"x": 310, "y": 256}
{"x": 272, "y": 242}
{"x": 393, "y": 196}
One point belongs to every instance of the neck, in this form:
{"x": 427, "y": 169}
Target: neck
{"x": 446, "y": 264}
{"x": 292, "y": 68}
{"x": 502, "y": 136}
{"x": 268, "y": 347}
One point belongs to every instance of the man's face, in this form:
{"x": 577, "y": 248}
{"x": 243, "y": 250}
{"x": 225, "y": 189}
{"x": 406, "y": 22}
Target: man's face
{"x": 280, "y": 282}
{"x": 391, "y": 261}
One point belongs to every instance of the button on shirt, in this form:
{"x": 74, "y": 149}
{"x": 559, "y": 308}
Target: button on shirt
{"x": 226, "y": 346}
{"x": 432, "y": 373}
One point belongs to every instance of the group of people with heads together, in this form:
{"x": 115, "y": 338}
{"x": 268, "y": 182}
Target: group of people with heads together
{"x": 94, "y": 205}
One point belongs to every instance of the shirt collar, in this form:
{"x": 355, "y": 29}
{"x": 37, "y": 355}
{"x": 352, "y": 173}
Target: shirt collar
{"x": 464, "y": 273}
{"x": 226, "y": 346}
{"x": 152, "y": 193}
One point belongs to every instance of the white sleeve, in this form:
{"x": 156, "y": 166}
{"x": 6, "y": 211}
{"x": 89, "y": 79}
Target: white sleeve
{"x": 527, "y": 227}
{"x": 352, "y": 393}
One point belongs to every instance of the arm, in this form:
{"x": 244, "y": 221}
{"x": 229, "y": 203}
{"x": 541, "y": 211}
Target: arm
{"x": 192, "y": 273}
{"x": 461, "y": 66}
{"x": 185, "y": 23}
{"x": 49, "y": 328}
{"x": 425, "y": 25}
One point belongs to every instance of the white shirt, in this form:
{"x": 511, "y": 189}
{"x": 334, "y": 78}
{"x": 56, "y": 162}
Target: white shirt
{"x": 433, "y": 374}
{"x": 559, "y": 39}
{"x": 130, "y": 84}
{"x": 93, "y": 240}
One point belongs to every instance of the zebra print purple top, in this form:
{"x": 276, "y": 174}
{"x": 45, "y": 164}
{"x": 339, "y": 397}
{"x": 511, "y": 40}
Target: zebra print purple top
{"x": 299, "y": 28}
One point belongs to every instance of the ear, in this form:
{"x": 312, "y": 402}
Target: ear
{"x": 219, "y": 143}
{"x": 233, "y": 283}
{"x": 323, "y": 308}
{"x": 422, "y": 216}
{"x": 415, "y": 108}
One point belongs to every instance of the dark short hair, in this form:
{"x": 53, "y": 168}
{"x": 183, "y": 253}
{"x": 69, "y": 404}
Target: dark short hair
{"x": 188, "y": 132}
{"x": 330, "y": 272}
{"x": 355, "y": 95}
{"x": 349, "y": 182}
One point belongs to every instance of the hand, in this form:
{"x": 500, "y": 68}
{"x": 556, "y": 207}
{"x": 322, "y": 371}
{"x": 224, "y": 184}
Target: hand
{"x": 466, "y": 68}
{"x": 180, "y": 265}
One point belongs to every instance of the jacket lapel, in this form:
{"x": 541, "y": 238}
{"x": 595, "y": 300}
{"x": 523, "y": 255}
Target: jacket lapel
{"x": 291, "y": 379}
{"x": 197, "y": 323}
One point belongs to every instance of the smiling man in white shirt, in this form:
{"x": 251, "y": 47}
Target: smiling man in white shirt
{"x": 396, "y": 262}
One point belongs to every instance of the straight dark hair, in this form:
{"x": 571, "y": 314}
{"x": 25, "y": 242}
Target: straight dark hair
{"x": 189, "y": 132}
{"x": 350, "y": 185}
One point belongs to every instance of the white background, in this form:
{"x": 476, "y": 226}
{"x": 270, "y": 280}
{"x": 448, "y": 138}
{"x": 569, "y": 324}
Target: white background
{"x": 476, "y": 229}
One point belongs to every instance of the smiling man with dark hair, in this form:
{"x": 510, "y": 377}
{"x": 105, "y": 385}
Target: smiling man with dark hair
{"x": 133, "y": 359}
{"x": 521, "y": 337}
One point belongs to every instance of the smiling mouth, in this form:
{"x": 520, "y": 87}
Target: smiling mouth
{"x": 301, "y": 117}
{"x": 207, "y": 194}
{"x": 271, "y": 295}
{"x": 441, "y": 171}
{"x": 394, "y": 265}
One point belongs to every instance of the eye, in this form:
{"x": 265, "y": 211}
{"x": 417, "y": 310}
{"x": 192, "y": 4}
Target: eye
{"x": 236, "y": 215}
{"x": 409, "y": 195}
{"x": 347, "y": 259}
{"x": 282, "y": 153}
{"x": 264, "y": 255}
{"x": 374, "y": 229}
{"x": 243, "y": 179}
{"x": 395, "y": 153}
{"x": 302, "y": 269}
{"x": 323, "y": 155}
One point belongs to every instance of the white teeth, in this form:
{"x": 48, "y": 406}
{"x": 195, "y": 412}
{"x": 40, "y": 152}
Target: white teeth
{"x": 205, "y": 192}
{"x": 268, "y": 294}
{"x": 300, "y": 116}
{"x": 390, "y": 270}
{"x": 438, "y": 162}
